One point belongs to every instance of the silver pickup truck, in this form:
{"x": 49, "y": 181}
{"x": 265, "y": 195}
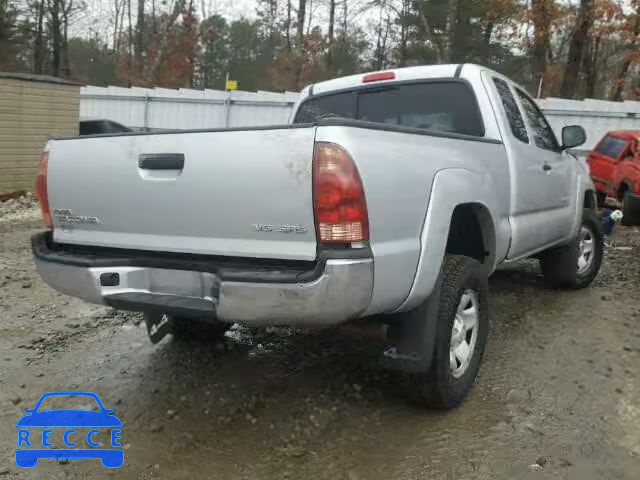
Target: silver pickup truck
{"x": 392, "y": 195}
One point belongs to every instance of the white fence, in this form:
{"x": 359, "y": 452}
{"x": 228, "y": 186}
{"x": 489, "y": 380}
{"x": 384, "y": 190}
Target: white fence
{"x": 160, "y": 108}
{"x": 597, "y": 117}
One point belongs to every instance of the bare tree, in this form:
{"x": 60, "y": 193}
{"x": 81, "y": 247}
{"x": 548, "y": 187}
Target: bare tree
{"x": 541, "y": 16}
{"x": 621, "y": 80}
{"x": 120, "y": 10}
{"x": 54, "y": 8}
{"x": 129, "y": 42}
{"x": 67, "y": 10}
{"x": 332, "y": 21}
{"x": 345, "y": 17}
{"x": 431, "y": 38}
{"x": 309, "y": 17}
{"x": 38, "y": 43}
{"x": 288, "y": 26}
{"x": 116, "y": 6}
{"x": 590, "y": 66}
{"x": 577, "y": 46}
{"x": 302, "y": 6}
{"x": 382, "y": 34}
{"x": 139, "y": 46}
{"x": 163, "y": 50}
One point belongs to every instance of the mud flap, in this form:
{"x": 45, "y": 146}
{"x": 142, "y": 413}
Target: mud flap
{"x": 412, "y": 336}
{"x": 158, "y": 326}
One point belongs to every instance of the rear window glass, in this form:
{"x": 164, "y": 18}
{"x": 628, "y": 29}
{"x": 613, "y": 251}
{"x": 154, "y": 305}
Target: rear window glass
{"x": 442, "y": 106}
{"x": 611, "y": 147}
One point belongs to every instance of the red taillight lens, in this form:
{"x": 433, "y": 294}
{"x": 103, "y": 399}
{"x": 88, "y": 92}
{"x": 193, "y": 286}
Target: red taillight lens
{"x": 339, "y": 203}
{"x": 41, "y": 190}
{"x": 378, "y": 76}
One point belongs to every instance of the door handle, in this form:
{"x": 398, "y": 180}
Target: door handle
{"x": 546, "y": 167}
{"x": 161, "y": 161}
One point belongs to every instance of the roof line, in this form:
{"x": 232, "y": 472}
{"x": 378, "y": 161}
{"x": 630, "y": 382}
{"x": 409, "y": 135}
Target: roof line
{"x": 28, "y": 77}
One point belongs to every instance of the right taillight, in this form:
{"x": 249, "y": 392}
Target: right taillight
{"x": 339, "y": 201}
{"x": 41, "y": 190}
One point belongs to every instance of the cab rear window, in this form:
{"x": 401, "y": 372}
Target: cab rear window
{"x": 441, "y": 106}
{"x": 611, "y": 147}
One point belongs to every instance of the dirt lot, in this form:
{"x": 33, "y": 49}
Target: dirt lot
{"x": 558, "y": 394}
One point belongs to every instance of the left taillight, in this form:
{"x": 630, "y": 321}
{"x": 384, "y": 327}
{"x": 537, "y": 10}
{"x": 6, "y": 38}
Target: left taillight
{"x": 340, "y": 207}
{"x": 41, "y": 190}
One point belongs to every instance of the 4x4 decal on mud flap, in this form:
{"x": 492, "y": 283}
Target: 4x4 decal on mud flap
{"x": 63, "y": 422}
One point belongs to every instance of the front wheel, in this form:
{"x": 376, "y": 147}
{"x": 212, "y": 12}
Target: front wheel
{"x": 576, "y": 264}
{"x": 462, "y": 327}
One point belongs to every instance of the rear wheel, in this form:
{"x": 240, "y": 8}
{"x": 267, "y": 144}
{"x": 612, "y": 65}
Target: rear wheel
{"x": 630, "y": 215}
{"x": 460, "y": 337}
{"x": 576, "y": 264}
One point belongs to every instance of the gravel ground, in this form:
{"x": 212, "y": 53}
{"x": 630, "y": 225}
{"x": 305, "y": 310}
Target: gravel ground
{"x": 557, "y": 396}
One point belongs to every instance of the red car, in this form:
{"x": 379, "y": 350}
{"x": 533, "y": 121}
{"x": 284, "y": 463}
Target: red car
{"x": 615, "y": 170}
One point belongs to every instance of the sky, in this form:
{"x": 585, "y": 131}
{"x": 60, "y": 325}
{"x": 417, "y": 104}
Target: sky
{"x": 99, "y": 14}
{"x": 98, "y": 17}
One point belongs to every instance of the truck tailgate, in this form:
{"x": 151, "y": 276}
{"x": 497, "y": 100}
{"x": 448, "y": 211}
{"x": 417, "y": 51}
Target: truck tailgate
{"x": 241, "y": 193}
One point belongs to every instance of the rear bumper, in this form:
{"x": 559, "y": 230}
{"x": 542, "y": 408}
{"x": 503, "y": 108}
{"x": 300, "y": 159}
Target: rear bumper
{"x": 336, "y": 290}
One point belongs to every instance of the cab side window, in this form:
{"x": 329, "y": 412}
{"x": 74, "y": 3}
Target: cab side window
{"x": 543, "y": 135}
{"x": 511, "y": 110}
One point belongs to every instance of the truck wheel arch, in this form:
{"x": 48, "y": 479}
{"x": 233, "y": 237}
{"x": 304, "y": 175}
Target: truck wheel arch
{"x": 591, "y": 200}
{"x": 457, "y": 195}
{"x": 471, "y": 233}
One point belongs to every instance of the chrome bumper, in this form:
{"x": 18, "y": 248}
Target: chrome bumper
{"x": 341, "y": 292}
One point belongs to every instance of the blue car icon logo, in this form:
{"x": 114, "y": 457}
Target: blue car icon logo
{"x": 34, "y": 445}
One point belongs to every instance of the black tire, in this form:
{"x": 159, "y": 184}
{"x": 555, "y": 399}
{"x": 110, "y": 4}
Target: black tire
{"x": 438, "y": 387}
{"x": 630, "y": 216}
{"x": 560, "y": 265}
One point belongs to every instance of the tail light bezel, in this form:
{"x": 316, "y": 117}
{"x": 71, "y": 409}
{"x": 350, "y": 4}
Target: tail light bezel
{"x": 42, "y": 190}
{"x": 352, "y": 202}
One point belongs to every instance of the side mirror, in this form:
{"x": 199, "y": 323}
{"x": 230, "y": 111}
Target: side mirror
{"x": 573, "y": 136}
{"x": 28, "y": 410}
{"x": 109, "y": 411}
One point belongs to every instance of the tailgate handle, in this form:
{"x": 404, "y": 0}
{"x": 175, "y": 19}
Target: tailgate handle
{"x": 161, "y": 161}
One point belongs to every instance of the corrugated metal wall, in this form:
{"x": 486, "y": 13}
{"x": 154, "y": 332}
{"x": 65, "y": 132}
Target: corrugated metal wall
{"x": 186, "y": 109}
{"x": 183, "y": 109}
{"x": 597, "y": 117}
